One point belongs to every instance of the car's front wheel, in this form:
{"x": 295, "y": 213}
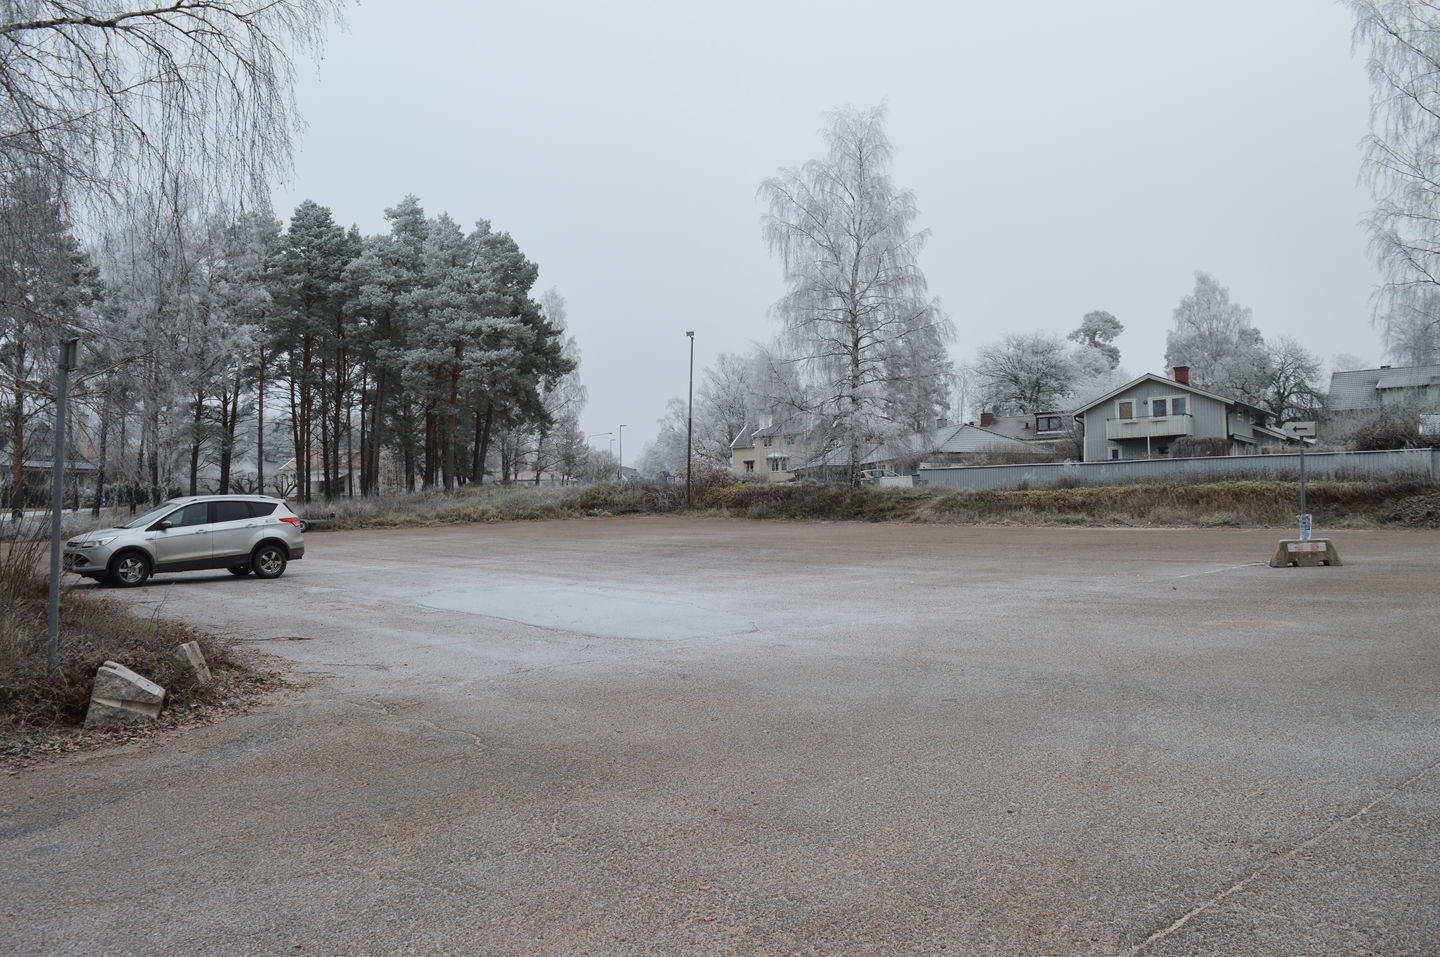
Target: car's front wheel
{"x": 130, "y": 569}
{"x": 269, "y": 561}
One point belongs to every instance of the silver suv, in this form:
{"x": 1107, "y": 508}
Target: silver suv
{"x": 242, "y": 533}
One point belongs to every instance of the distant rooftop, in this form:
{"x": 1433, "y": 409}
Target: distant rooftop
{"x": 1362, "y": 388}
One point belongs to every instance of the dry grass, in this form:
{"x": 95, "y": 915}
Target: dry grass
{"x": 1218, "y": 504}
{"x": 1402, "y": 504}
{"x": 500, "y": 503}
{"x": 93, "y": 629}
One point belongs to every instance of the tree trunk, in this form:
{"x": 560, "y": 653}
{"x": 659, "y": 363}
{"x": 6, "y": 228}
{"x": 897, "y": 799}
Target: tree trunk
{"x": 349, "y": 442}
{"x": 482, "y": 441}
{"x": 855, "y": 345}
{"x": 452, "y": 417}
{"x": 326, "y": 439}
{"x": 260, "y": 424}
{"x": 370, "y": 469}
{"x": 307, "y": 408}
{"x": 17, "y": 454}
{"x": 427, "y": 468}
{"x": 293, "y": 388}
{"x": 229, "y": 422}
{"x": 197, "y": 428}
{"x": 104, "y": 453}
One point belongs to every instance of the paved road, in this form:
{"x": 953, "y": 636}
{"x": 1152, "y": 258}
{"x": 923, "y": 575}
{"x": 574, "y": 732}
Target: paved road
{"x": 671, "y": 736}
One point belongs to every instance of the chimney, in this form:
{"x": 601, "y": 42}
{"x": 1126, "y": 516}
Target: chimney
{"x": 942, "y": 423}
{"x": 987, "y": 419}
{"x": 1182, "y": 375}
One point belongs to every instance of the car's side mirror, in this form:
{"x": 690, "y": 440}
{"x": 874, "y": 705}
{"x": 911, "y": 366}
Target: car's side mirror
{"x": 164, "y": 526}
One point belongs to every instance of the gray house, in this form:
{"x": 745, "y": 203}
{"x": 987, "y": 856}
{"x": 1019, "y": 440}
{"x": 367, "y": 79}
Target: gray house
{"x": 1366, "y": 390}
{"x": 1150, "y": 416}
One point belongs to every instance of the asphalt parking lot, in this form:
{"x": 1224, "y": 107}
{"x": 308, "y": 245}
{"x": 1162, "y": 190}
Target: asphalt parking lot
{"x": 692, "y": 736}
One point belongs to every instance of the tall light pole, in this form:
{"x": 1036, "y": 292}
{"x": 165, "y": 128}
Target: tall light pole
{"x": 690, "y": 420}
{"x": 622, "y": 450}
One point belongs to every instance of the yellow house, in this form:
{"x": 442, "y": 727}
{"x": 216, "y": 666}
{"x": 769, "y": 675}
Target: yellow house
{"x": 769, "y": 451}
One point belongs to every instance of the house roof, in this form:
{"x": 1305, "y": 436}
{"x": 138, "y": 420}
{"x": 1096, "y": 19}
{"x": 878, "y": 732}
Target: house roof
{"x": 870, "y": 455}
{"x": 747, "y": 435}
{"x": 1022, "y": 427}
{"x": 1359, "y": 388}
{"x": 1169, "y": 383}
{"x": 1420, "y": 377}
{"x": 957, "y": 440}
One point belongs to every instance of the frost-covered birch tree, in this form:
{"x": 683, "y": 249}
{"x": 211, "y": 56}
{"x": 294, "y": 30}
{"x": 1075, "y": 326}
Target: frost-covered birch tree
{"x": 558, "y": 439}
{"x": 846, "y": 239}
{"x": 1215, "y": 337}
{"x": 1402, "y": 165}
{"x": 113, "y": 98}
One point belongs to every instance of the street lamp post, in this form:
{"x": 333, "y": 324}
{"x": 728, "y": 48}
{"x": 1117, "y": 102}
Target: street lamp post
{"x": 690, "y": 420}
{"x": 622, "y": 450}
{"x": 596, "y": 435}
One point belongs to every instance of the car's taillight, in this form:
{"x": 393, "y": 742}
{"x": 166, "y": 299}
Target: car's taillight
{"x": 292, "y": 520}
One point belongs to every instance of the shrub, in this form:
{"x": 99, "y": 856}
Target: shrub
{"x": 1189, "y": 446}
{"x": 1391, "y": 432}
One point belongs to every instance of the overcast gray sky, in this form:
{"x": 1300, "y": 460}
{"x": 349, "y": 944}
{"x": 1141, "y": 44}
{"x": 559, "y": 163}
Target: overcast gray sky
{"x": 1067, "y": 157}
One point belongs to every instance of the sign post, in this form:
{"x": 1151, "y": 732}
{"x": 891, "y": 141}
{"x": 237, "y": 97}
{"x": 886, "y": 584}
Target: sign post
{"x": 1305, "y": 551}
{"x": 1303, "y": 431}
{"x": 69, "y": 359}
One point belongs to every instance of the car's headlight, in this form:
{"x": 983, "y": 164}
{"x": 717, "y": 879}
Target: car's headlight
{"x": 95, "y": 542}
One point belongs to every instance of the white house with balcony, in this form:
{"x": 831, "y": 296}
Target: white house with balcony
{"x": 1150, "y": 416}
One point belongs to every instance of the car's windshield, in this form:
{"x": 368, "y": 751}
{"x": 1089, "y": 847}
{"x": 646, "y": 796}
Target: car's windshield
{"x": 154, "y": 515}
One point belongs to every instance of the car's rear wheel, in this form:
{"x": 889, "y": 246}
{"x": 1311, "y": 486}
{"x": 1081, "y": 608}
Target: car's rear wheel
{"x": 239, "y": 569}
{"x": 269, "y": 561}
{"x": 130, "y": 569}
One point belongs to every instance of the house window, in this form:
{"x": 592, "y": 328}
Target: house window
{"x": 1049, "y": 423}
{"x": 790, "y": 439}
{"x": 1171, "y": 405}
{"x": 1114, "y": 454}
{"x": 749, "y": 465}
{"x": 778, "y": 463}
{"x": 1125, "y": 410}
{"x": 767, "y": 441}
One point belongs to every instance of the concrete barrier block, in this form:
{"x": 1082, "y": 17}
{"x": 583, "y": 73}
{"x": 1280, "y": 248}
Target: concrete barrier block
{"x": 1305, "y": 554}
{"x": 119, "y": 696}
{"x": 193, "y": 658}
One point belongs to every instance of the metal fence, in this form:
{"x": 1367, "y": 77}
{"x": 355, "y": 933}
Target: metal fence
{"x": 1421, "y": 464}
